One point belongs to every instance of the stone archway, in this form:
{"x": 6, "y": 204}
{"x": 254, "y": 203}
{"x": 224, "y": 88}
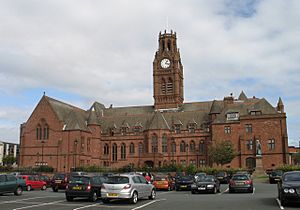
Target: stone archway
{"x": 149, "y": 163}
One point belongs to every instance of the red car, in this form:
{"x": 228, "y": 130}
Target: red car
{"x": 33, "y": 182}
{"x": 163, "y": 182}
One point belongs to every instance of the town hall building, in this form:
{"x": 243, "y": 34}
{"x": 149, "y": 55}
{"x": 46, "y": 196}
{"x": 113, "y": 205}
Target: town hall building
{"x": 170, "y": 131}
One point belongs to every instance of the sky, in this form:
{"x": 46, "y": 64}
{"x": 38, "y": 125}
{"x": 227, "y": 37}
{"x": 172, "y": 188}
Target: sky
{"x": 88, "y": 50}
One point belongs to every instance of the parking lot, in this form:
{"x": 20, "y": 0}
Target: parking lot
{"x": 264, "y": 197}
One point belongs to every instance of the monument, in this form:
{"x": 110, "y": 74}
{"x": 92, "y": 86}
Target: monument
{"x": 259, "y": 170}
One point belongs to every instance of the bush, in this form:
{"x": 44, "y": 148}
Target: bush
{"x": 286, "y": 168}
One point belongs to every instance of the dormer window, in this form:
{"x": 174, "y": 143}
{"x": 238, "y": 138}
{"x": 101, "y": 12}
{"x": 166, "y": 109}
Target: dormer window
{"x": 232, "y": 116}
{"x": 255, "y": 113}
{"x": 192, "y": 127}
{"x": 124, "y": 129}
{"x": 177, "y": 128}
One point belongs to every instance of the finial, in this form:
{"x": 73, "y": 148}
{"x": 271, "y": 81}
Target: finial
{"x": 44, "y": 93}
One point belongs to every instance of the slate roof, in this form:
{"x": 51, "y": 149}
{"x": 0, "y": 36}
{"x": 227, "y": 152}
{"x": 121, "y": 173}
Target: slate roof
{"x": 147, "y": 118}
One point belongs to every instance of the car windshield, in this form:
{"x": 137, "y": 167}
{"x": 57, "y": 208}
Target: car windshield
{"x": 240, "y": 177}
{"x": 160, "y": 178}
{"x": 59, "y": 176}
{"x": 186, "y": 178}
{"x": 118, "y": 180}
{"x": 205, "y": 179}
{"x": 276, "y": 173}
{"x": 292, "y": 177}
{"x": 80, "y": 179}
{"x": 221, "y": 174}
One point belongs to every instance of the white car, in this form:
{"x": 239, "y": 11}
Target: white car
{"x": 127, "y": 186}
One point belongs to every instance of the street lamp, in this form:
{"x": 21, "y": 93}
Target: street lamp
{"x": 42, "y": 151}
{"x": 75, "y": 153}
{"x": 187, "y": 153}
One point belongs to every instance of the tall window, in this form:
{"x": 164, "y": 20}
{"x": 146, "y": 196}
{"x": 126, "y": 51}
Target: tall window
{"x": 114, "y": 152}
{"x": 201, "y": 147}
{"x": 131, "y": 148}
{"x": 123, "y": 151}
{"x": 154, "y": 144}
{"x": 249, "y": 144}
{"x": 177, "y": 128}
{"x": 227, "y": 129}
{"x": 248, "y": 128}
{"x": 164, "y": 143}
{"x": 202, "y": 163}
{"x": 192, "y": 146}
{"x": 88, "y": 145}
{"x": 106, "y": 149}
{"x": 82, "y": 144}
{"x": 271, "y": 144}
{"x": 173, "y": 147}
{"x": 169, "y": 86}
{"x": 182, "y": 147}
{"x": 140, "y": 148}
{"x": 42, "y": 130}
{"x": 163, "y": 86}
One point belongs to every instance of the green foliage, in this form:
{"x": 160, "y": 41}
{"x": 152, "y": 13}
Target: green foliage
{"x": 222, "y": 152}
{"x": 286, "y": 168}
{"x": 5, "y": 168}
{"x": 9, "y": 160}
{"x": 43, "y": 169}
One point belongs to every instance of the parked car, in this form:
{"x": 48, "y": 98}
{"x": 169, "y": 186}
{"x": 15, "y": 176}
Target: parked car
{"x": 33, "y": 182}
{"x": 275, "y": 176}
{"x": 184, "y": 182}
{"x": 223, "y": 177}
{"x": 163, "y": 182}
{"x": 88, "y": 186}
{"x": 60, "y": 181}
{"x": 11, "y": 184}
{"x": 207, "y": 183}
{"x": 45, "y": 179}
{"x": 127, "y": 186}
{"x": 289, "y": 188}
{"x": 240, "y": 182}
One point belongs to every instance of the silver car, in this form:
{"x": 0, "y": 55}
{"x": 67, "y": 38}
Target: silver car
{"x": 127, "y": 186}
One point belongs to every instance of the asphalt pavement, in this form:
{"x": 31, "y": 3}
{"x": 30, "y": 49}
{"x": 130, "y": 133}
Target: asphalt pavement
{"x": 264, "y": 197}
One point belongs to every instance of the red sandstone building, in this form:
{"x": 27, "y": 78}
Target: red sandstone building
{"x": 170, "y": 131}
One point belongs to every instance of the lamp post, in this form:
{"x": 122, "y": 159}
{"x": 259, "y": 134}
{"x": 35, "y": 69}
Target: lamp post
{"x": 42, "y": 152}
{"x": 75, "y": 153}
{"x": 187, "y": 153}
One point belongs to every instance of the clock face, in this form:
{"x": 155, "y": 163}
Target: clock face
{"x": 165, "y": 63}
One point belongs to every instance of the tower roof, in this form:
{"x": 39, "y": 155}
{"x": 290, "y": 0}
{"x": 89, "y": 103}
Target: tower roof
{"x": 242, "y": 96}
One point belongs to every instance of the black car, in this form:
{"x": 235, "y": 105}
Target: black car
{"x": 223, "y": 177}
{"x": 183, "y": 182}
{"x": 289, "y": 188}
{"x": 60, "y": 181}
{"x": 275, "y": 176}
{"x": 88, "y": 186}
{"x": 240, "y": 182}
{"x": 207, "y": 183}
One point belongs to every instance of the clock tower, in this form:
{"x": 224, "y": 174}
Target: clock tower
{"x": 167, "y": 73}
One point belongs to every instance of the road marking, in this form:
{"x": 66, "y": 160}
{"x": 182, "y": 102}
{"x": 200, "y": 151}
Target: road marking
{"x": 279, "y": 203}
{"x": 16, "y": 201}
{"x": 83, "y": 207}
{"x": 37, "y": 205}
{"x": 147, "y": 204}
{"x": 224, "y": 191}
{"x": 164, "y": 193}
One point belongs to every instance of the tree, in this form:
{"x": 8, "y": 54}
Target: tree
{"x": 296, "y": 157}
{"x": 222, "y": 152}
{"x": 9, "y": 160}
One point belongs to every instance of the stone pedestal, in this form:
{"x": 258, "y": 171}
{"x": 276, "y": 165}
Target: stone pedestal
{"x": 259, "y": 170}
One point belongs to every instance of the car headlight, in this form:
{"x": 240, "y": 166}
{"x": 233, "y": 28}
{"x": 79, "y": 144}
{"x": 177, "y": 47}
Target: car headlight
{"x": 285, "y": 190}
{"x": 291, "y": 191}
{"x": 210, "y": 186}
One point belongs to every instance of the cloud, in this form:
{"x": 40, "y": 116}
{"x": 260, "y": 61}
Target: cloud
{"x": 103, "y": 50}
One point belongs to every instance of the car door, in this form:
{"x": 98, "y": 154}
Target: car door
{"x": 3, "y": 186}
{"x": 137, "y": 185}
{"x": 145, "y": 186}
{"x": 11, "y": 182}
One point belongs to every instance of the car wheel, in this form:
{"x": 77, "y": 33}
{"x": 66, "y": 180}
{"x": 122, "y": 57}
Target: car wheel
{"x": 69, "y": 198}
{"x": 134, "y": 198}
{"x": 93, "y": 197}
{"x": 169, "y": 188}
{"x": 193, "y": 192}
{"x": 55, "y": 189}
{"x": 251, "y": 190}
{"x": 18, "y": 191}
{"x": 231, "y": 190}
{"x": 105, "y": 200}
{"x": 152, "y": 195}
{"x": 28, "y": 187}
{"x": 44, "y": 187}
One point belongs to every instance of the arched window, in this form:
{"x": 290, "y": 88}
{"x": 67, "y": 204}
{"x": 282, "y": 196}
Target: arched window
{"x": 169, "y": 45}
{"x": 106, "y": 149}
{"x": 173, "y": 147}
{"x": 141, "y": 148}
{"x": 154, "y": 144}
{"x": 163, "y": 86}
{"x": 114, "y": 152}
{"x": 163, "y": 45}
{"x": 131, "y": 148}
{"x": 201, "y": 147}
{"x": 46, "y": 131}
{"x": 192, "y": 146}
{"x": 164, "y": 143}
{"x": 182, "y": 146}
{"x": 170, "y": 86}
{"x": 42, "y": 130}
{"x": 38, "y": 132}
{"x": 123, "y": 151}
